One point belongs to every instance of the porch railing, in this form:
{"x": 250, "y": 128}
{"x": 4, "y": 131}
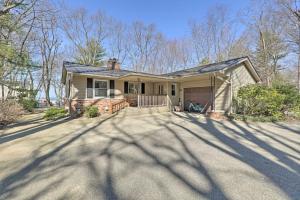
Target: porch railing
{"x": 151, "y": 100}
{"x": 116, "y": 106}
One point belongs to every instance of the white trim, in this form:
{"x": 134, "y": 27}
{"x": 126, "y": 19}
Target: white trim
{"x": 135, "y": 83}
{"x": 107, "y": 90}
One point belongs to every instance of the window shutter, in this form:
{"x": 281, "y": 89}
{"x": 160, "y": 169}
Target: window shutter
{"x": 143, "y": 88}
{"x": 112, "y": 88}
{"x": 89, "y": 88}
{"x": 126, "y": 87}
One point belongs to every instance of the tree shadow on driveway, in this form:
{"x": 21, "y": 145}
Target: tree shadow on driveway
{"x": 32, "y": 130}
{"x": 11, "y": 183}
{"x": 284, "y": 178}
{"x": 125, "y": 153}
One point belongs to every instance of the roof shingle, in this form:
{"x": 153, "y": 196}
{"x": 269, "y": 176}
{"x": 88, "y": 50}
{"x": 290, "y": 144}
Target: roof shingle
{"x": 104, "y": 71}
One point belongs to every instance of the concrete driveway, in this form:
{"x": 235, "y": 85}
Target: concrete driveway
{"x": 155, "y": 156}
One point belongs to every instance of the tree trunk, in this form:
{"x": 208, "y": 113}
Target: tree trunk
{"x": 47, "y": 94}
{"x": 2, "y": 92}
{"x": 298, "y": 81}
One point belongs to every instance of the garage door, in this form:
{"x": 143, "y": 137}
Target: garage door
{"x": 201, "y": 95}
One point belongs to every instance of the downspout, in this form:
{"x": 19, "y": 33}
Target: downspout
{"x": 214, "y": 93}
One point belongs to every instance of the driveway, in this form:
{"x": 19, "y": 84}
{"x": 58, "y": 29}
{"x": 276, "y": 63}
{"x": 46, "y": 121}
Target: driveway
{"x": 155, "y": 156}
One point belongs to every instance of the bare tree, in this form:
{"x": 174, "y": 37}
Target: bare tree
{"x": 214, "y": 37}
{"x": 48, "y": 44}
{"x": 143, "y": 41}
{"x": 17, "y": 20}
{"x": 291, "y": 13}
{"x": 118, "y": 44}
{"x": 86, "y": 34}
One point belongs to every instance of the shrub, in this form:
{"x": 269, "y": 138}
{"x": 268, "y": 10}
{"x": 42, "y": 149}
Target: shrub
{"x": 91, "y": 111}
{"x": 55, "y": 113}
{"x": 29, "y": 104}
{"x": 291, "y": 95}
{"x": 260, "y": 101}
{"x": 10, "y": 110}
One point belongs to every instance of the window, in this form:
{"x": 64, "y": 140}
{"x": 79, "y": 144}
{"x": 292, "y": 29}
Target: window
{"x": 143, "y": 88}
{"x": 173, "y": 89}
{"x": 100, "y": 88}
{"x": 89, "y": 86}
{"x": 160, "y": 89}
{"x": 133, "y": 88}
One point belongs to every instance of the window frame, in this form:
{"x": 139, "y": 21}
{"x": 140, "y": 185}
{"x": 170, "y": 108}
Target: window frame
{"x": 94, "y": 89}
{"x": 136, "y": 87}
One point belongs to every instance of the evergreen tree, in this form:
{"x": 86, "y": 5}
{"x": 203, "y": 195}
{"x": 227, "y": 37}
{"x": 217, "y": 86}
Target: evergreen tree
{"x": 91, "y": 54}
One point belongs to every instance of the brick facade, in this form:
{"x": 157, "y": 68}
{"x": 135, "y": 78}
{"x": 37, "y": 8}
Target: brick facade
{"x": 104, "y": 105}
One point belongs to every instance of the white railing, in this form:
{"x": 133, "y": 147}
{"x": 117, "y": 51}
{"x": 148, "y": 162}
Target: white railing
{"x": 151, "y": 100}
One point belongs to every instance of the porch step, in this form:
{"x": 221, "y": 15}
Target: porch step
{"x": 142, "y": 111}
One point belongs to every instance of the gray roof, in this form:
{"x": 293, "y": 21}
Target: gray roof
{"x": 104, "y": 71}
{"x": 101, "y": 71}
{"x": 214, "y": 67}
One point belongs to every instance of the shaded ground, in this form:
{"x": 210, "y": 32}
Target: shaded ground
{"x": 154, "y": 156}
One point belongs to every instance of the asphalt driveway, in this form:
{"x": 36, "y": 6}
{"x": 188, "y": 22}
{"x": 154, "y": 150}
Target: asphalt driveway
{"x": 155, "y": 156}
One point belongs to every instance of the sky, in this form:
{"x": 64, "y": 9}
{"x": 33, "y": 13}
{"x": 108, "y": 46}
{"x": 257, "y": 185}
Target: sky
{"x": 170, "y": 16}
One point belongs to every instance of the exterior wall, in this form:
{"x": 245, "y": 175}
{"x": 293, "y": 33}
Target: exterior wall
{"x": 225, "y": 92}
{"x": 172, "y": 100}
{"x": 78, "y": 92}
{"x": 222, "y": 96}
{"x": 79, "y": 84}
{"x": 119, "y": 89}
{"x": 78, "y": 87}
{"x": 240, "y": 76}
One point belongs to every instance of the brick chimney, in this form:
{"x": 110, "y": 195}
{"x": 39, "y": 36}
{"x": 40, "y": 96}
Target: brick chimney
{"x": 113, "y": 64}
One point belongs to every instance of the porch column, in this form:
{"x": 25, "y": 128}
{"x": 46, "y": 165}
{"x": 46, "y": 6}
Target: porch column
{"x": 212, "y": 86}
{"x": 168, "y": 97}
{"x": 138, "y": 91}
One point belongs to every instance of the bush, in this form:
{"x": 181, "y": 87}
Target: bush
{"x": 10, "y": 110}
{"x": 291, "y": 95}
{"x": 55, "y": 113}
{"x": 258, "y": 100}
{"x": 91, "y": 111}
{"x": 29, "y": 104}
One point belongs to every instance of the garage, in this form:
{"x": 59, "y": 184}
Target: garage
{"x": 197, "y": 95}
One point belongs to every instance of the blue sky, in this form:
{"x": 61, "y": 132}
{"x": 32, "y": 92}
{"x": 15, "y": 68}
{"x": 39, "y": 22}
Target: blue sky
{"x": 170, "y": 16}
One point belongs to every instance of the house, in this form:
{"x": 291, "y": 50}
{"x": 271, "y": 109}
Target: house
{"x": 111, "y": 88}
{"x": 13, "y": 92}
